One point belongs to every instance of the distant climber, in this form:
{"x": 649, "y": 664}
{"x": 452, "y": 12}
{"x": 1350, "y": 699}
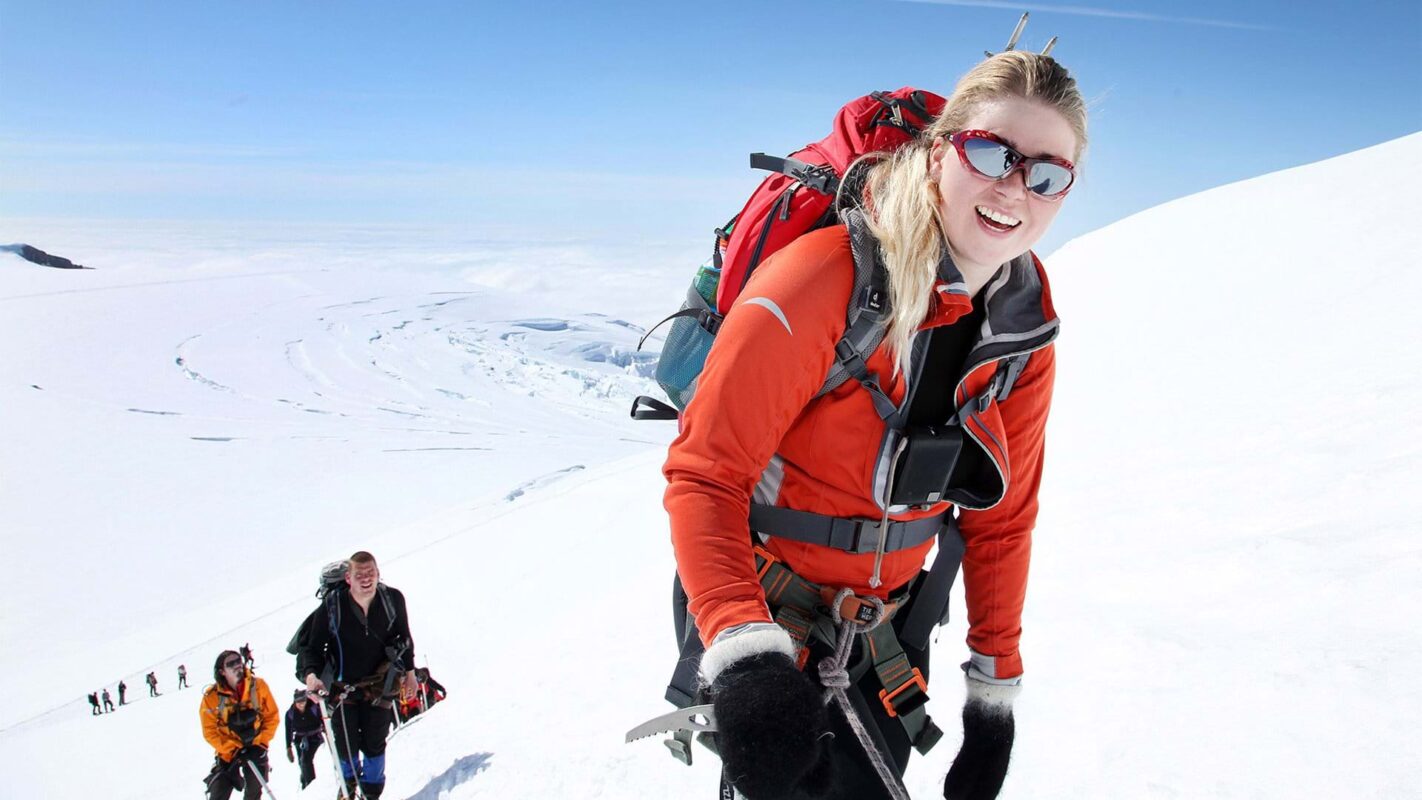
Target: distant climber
{"x": 304, "y": 733}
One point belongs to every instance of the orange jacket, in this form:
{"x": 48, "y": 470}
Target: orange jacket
{"x": 218, "y": 703}
{"x": 754, "y": 428}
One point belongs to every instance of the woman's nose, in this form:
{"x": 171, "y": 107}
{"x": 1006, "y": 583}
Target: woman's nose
{"x": 1014, "y": 185}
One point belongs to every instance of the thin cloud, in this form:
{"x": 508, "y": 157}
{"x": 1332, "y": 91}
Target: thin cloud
{"x": 1087, "y": 11}
{"x": 28, "y": 147}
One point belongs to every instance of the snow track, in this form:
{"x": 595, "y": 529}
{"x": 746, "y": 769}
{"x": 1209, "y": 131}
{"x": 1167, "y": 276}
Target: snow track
{"x": 425, "y": 393}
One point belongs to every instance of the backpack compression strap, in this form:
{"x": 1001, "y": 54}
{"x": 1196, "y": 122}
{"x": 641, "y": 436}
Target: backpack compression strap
{"x": 894, "y": 108}
{"x": 819, "y": 177}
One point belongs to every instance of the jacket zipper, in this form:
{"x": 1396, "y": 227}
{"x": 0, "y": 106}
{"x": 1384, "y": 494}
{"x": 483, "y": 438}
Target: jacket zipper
{"x": 963, "y": 421}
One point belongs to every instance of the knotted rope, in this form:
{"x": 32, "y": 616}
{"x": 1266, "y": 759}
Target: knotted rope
{"x": 834, "y": 676}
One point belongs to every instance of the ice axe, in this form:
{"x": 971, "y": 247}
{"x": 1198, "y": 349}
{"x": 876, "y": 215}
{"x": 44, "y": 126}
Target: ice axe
{"x": 1017, "y": 33}
{"x": 681, "y": 724}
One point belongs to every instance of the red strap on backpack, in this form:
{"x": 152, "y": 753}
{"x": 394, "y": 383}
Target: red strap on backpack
{"x": 786, "y": 206}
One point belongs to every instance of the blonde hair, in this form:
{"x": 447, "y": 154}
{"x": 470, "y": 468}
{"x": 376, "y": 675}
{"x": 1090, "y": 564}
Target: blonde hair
{"x": 901, "y": 202}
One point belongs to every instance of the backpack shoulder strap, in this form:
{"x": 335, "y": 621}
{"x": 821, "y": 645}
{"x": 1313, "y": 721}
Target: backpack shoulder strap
{"x": 1008, "y": 371}
{"x": 390, "y": 611}
{"x": 332, "y": 601}
{"x": 867, "y": 318}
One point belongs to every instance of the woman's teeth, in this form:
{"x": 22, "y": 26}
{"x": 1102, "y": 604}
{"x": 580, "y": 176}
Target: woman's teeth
{"x": 1001, "y": 219}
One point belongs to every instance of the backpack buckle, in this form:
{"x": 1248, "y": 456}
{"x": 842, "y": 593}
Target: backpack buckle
{"x": 709, "y": 321}
{"x": 887, "y": 697}
{"x": 769, "y": 559}
{"x": 863, "y": 535}
{"x": 819, "y": 178}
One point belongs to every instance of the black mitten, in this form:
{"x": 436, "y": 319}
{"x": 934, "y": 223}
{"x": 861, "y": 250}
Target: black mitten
{"x": 772, "y": 728}
{"x": 988, "y": 728}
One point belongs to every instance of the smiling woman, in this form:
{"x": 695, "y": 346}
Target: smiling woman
{"x": 1015, "y": 98}
{"x": 940, "y": 438}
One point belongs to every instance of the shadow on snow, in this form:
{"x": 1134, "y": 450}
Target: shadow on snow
{"x": 460, "y": 771}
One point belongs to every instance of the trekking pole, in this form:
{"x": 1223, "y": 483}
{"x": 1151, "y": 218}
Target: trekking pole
{"x": 256, "y": 773}
{"x": 331, "y": 740}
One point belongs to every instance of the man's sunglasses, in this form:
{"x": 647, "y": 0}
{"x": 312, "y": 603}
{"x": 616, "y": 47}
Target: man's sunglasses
{"x": 991, "y": 157}
{"x": 232, "y": 663}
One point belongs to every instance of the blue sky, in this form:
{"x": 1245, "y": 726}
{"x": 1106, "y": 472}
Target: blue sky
{"x": 634, "y": 119}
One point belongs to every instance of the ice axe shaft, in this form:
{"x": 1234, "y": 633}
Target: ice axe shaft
{"x": 256, "y": 773}
{"x": 1016, "y": 32}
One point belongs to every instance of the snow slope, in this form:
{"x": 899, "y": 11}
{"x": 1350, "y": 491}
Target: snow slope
{"x": 1225, "y": 576}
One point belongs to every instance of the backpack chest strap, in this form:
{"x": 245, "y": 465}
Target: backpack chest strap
{"x": 851, "y": 534}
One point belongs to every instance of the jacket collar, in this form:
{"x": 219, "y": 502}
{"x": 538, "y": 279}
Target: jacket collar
{"x": 1019, "y": 314}
{"x": 950, "y": 293}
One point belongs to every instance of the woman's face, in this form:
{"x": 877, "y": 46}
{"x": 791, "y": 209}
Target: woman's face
{"x": 1035, "y": 130}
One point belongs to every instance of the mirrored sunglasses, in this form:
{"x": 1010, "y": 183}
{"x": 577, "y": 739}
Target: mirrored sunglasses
{"x": 992, "y": 158}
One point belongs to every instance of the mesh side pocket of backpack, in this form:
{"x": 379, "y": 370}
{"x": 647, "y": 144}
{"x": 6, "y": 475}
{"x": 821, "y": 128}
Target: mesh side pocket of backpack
{"x": 684, "y": 354}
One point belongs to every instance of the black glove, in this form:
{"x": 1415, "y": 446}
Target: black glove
{"x": 978, "y": 771}
{"x": 254, "y": 753}
{"x": 235, "y": 773}
{"x": 772, "y": 729}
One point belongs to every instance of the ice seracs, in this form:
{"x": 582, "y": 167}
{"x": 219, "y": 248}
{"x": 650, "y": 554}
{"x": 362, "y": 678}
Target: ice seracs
{"x": 999, "y": 217}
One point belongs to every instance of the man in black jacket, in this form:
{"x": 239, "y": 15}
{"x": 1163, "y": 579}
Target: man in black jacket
{"x": 355, "y": 648}
{"x": 304, "y": 733}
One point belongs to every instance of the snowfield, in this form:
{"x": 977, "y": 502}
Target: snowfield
{"x": 1225, "y": 587}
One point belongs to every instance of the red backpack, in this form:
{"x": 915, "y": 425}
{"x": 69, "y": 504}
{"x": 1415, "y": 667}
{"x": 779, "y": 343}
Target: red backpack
{"x": 797, "y": 199}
